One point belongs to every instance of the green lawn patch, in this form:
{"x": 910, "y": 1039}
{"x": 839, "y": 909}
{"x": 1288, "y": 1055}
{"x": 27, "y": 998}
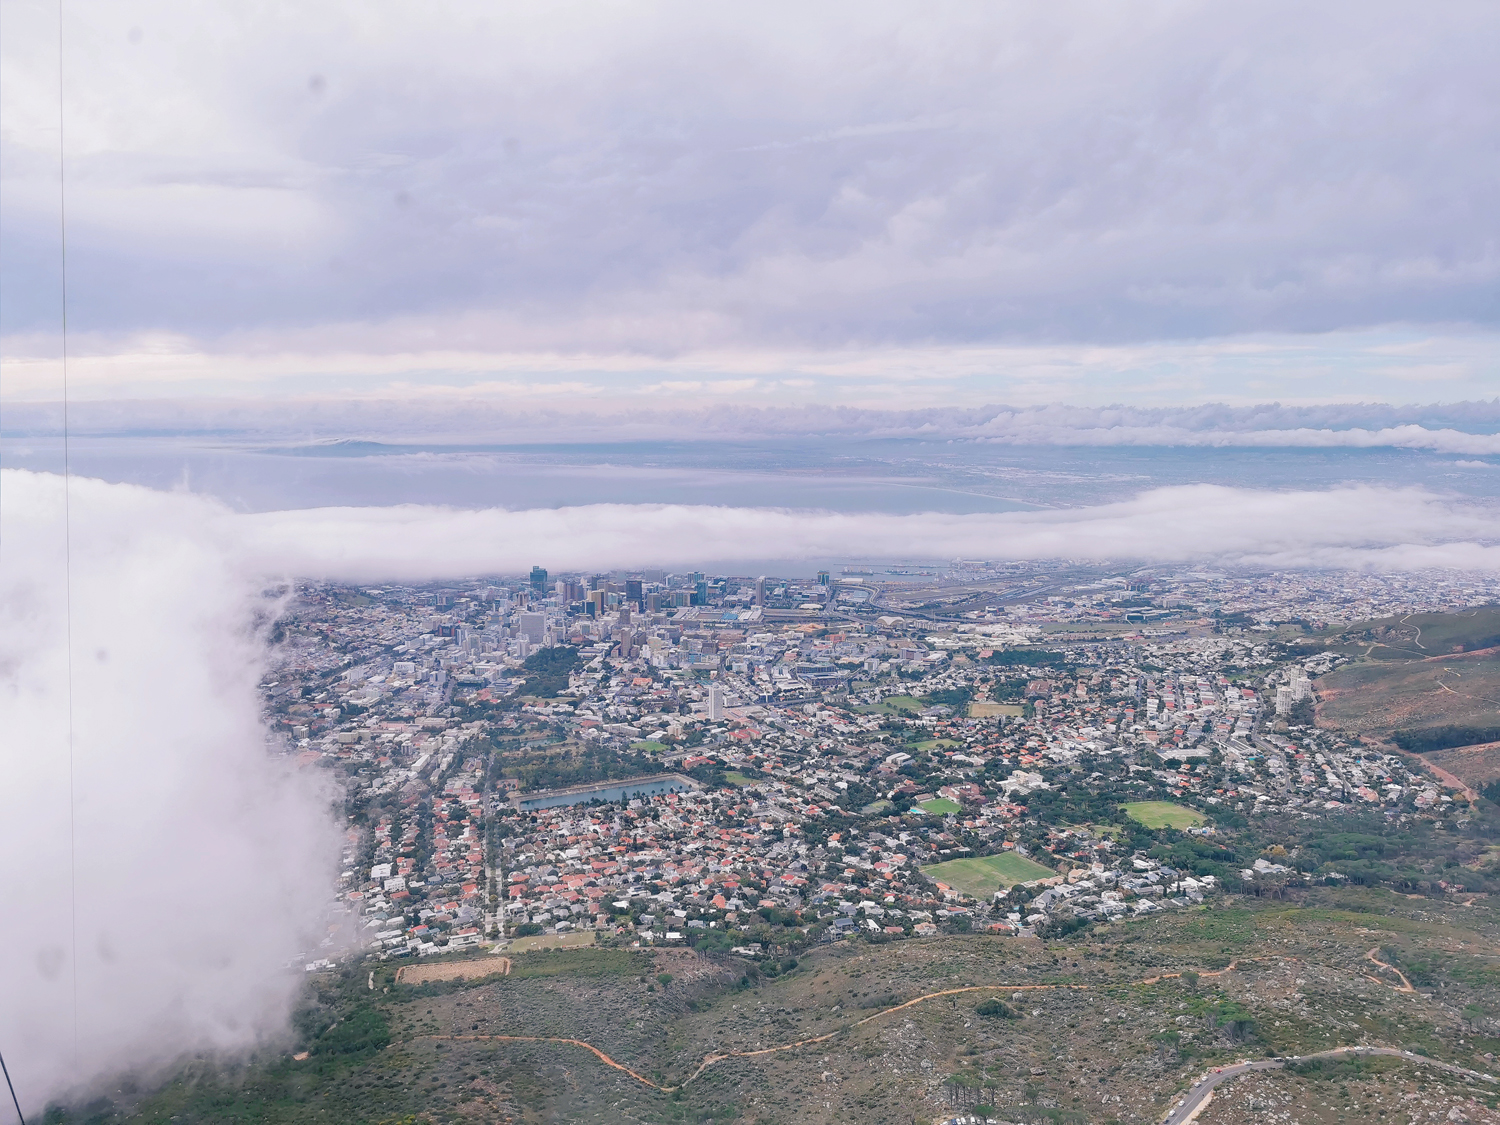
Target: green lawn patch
{"x": 552, "y": 941}
{"x": 940, "y": 806}
{"x": 908, "y": 704}
{"x": 649, "y": 747}
{"x": 937, "y": 744}
{"x": 1162, "y": 814}
{"x": 982, "y": 877}
{"x": 734, "y": 777}
{"x": 575, "y": 963}
{"x": 877, "y": 808}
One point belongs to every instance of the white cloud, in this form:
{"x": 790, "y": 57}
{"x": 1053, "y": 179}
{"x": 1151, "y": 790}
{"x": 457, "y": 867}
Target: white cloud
{"x": 180, "y": 863}
{"x": 1337, "y": 527}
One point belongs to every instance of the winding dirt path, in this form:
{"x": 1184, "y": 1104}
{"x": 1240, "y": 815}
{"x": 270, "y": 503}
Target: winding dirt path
{"x": 712, "y": 1058}
{"x": 718, "y": 1057}
{"x": 600, "y": 1055}
{"x": 1405, "y": 984}
{"x": 1229, "y": 968}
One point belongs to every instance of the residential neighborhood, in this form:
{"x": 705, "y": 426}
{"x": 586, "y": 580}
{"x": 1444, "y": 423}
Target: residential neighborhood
{"x": 754, "y": 764}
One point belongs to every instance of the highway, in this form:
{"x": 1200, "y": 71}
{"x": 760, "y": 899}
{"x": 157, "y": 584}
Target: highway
{"x": 1193, "y": 1101}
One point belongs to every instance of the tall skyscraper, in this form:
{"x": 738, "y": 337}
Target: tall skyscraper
{"x": 715, "y": 703}
{"x": 760, "y": 590}
{"x": 539, "y": 580}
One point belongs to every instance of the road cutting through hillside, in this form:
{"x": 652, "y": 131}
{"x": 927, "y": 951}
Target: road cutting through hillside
{"x": 1202, "y": 1091}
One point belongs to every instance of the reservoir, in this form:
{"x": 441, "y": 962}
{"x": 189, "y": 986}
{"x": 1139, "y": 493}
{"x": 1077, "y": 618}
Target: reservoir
{"x": 652, "y": 785}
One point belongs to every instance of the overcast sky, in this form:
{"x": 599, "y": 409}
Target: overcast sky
{"x": 939, "y": 203}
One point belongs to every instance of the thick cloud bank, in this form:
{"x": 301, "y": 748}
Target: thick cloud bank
{"x": 1349, "y": 527}
{"x": 182, "y": 868}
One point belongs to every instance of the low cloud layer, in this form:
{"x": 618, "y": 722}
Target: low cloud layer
{"x": 161, "y": 872}
{"x": 181, "y": 867}
{"x": 1375, "y": 528}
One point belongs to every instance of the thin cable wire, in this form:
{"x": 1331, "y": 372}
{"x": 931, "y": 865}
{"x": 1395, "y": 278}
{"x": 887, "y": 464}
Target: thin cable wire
{"x": 9, "y": 1085}
{"x": 13, "y": 1097}
{"x": 62, "y": 220}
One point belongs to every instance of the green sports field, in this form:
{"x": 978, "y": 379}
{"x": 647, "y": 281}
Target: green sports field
{"x": 937, "y": 744}
{"x": 1162, "y": 814}
{"x": 982, "y": 877}
{"x": 553, "y": 941}
{"x": 906, "y": 704}
{"x": 940, "y": 806}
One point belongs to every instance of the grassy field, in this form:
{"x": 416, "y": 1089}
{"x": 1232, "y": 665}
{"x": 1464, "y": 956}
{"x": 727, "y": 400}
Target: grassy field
{"x": 552, "y": 941}
{"x": 646, "y": 746}
{"x": 983, "y": 877}
{"x": 940, "y": 806}
{"x": 1162, "y": 814}
{"x": 1108, "y": 831}
{"x": 937, "y": 744}
{"x": 473, "y": 968}
{"x": 984, "y": 709}
{"x": 734, "y": 777}
{"x": 908, "y": 704}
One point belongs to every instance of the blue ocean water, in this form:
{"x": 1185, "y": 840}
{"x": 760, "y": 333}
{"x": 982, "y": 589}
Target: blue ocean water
{"x": 845, "y": 475}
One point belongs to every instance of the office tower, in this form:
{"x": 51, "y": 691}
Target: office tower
{"x": 715, "y": 703}
{"x": 539, "y": 580}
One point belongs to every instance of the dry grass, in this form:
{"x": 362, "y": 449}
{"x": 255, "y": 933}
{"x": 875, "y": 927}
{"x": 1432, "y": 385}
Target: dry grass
{"x": 472, "y": 969}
